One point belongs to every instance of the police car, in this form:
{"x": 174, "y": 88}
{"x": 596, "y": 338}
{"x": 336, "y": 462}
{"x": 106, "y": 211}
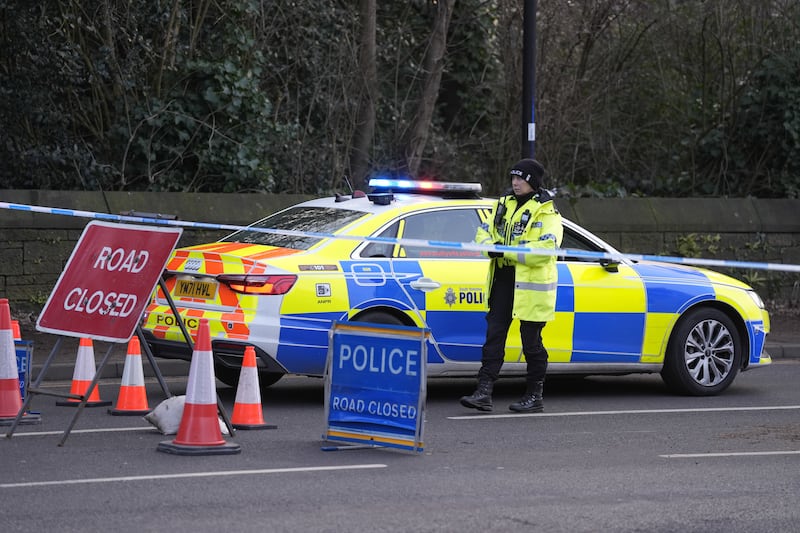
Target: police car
{"x": 392, "y": 257}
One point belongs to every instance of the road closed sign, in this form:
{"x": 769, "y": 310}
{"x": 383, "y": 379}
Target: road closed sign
{"x": 375, "y": 385}
{"x": 108, "y": 281}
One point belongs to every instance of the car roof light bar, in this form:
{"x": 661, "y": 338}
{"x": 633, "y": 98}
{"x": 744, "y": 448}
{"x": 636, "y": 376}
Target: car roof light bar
{"x": 407, "y": 185}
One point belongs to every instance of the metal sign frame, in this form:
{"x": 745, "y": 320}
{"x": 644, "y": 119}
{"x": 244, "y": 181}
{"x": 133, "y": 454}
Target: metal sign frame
{"x": 376, "y": 386}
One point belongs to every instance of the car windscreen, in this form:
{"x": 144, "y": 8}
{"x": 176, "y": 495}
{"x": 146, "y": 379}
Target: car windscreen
{"x": 302, "y": 219}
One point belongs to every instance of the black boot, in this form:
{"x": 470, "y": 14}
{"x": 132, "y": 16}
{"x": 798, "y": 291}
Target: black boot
{"x": 532, "y": 402}
{"x": 481, "y": 399}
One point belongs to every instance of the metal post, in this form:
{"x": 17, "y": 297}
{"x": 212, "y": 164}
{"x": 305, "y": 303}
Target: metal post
{"x": 529, "y": 80}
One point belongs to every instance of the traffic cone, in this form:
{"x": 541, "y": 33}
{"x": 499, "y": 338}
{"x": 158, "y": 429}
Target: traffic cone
{"x": 10, "y": 399}
{"x": 132, "y": 399}
{"x": 82, "y": 376}
{"x": 17, "y": 338}
{"x": 199, "y": 433}
{"x": 247, "y": 412}
{"x": 10, "y": 390}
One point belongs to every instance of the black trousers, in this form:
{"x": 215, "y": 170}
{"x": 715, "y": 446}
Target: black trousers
{"x": 498, "y": 320}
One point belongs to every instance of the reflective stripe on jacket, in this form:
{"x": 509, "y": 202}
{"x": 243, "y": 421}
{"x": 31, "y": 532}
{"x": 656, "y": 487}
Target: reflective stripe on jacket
{"x": 530, "y": 225}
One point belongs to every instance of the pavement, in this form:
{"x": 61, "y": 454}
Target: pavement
{"x": 780, "y": 350}
{"x": 783, "y": 343}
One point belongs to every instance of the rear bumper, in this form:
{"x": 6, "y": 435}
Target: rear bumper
{"x": 226, "y": 352}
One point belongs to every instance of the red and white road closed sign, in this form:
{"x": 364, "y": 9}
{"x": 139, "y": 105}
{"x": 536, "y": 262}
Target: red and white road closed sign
{"x": 108, "y": 281}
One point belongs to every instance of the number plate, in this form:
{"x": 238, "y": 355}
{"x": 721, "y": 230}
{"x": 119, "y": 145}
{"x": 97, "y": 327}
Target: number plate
{"x": 190, "y": 288}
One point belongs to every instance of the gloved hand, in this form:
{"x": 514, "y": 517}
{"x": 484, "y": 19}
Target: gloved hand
{"x": 496, "y": 254}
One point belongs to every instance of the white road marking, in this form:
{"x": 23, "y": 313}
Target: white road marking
{"x": 190, "y": 475}
{"x": 727, "y": 454}
{"x": 98, "y": 430}
{"x": 659, "y": 411}
{"x": 626, "y": 412}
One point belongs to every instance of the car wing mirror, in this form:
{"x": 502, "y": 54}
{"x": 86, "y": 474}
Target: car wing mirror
{"x": 609, "y": 265}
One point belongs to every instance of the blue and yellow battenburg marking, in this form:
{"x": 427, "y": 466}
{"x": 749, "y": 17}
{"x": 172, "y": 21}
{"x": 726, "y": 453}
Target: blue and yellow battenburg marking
{"x": 601, "y": 317}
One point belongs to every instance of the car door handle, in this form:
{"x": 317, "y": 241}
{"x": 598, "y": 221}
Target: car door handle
{"x": 425, "y": 284}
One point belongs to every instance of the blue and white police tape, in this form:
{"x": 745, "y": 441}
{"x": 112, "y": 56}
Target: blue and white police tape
{"x": 568, "y": 252}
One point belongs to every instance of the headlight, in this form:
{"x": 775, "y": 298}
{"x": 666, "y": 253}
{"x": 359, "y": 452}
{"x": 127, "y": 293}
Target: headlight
{"x": 756, "y": 299}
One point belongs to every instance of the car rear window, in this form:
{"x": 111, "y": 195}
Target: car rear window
{"x": 302, "y": 219}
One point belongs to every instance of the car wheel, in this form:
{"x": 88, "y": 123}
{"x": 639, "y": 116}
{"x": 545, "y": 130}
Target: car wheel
{"x": 704, "y": 353}
{"x": 230, "y": 376}
{"x": 379, "y": 317}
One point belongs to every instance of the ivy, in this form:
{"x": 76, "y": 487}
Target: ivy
{"x": 633, "y": 98}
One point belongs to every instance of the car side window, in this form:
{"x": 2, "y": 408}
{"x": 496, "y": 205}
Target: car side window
{"x": 451, "y": 225}
{"x": 575, "y": 242}
{"x": 380, "y": 249}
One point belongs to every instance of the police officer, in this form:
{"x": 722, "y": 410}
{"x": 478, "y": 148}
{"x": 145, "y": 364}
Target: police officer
{"x": 521, "y": 285}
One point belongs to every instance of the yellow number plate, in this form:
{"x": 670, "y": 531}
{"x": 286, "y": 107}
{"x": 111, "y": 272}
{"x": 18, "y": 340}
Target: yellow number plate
{"x": 205, "y": 290}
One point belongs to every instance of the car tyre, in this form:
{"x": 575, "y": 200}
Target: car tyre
{"x": 230, "y": 376}
{"x": 379, "y": 317}
{"x": 704, "y": 353}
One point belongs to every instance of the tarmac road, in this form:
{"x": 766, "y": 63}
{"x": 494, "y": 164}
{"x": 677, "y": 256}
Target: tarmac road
{"x": 783, "y": 342}
{"x": 608, "y": 454}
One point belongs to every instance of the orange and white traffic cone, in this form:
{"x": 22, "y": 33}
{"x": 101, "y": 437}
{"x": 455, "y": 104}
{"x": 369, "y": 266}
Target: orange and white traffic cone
{"x": 199, "y": 432}
{"x": 82, "y": 377}
{"x": 10, "y": 399}
{"x": 132, "y": 399}
{"x": 10, "y": 390}
{"x": 247, "y": 411}
{"x": 17, "y": 338}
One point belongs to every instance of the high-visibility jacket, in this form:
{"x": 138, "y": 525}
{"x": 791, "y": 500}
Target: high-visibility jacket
{"x": 530, "y": 225}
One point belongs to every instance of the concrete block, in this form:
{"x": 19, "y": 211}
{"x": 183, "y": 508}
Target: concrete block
{"x": 77, "y": 200}
{"x": 776, "y": 240}
{"x": 43, "y": 257}
{"x": 778, "y": 215}
{"x": 705, "y": 214}
{"x": 565, "y": 207}
{"x": 11, "y": 260}
{"x": 791, "y": 255}
{"x": 614, "y": 238}
{"x": 212, "y": 208}
{"x": 642, "y": 243}
{"x": 614, "y": 214}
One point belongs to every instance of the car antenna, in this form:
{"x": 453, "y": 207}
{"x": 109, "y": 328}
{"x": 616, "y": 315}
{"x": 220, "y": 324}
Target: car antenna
{"x": 353, "y": 193}
{"x": 349, "y": 185}
{"x": 341, "y": 197}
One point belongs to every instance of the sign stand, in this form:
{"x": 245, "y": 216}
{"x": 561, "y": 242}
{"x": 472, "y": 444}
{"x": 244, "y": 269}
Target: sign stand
{"x": 87, "y": 300}
{"x": 375, "y": 386}
{"x": 34, "y": 389}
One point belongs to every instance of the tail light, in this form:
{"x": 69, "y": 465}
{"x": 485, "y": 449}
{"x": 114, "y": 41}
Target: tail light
{"x": 258, "y": 283}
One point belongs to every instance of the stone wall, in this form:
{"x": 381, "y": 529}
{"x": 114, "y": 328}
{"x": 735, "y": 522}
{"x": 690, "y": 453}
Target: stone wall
{"x": 34, "y": 247}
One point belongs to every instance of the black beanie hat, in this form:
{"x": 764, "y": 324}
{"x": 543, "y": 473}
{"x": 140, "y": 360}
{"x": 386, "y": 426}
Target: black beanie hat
{"x": 530, "y": 170}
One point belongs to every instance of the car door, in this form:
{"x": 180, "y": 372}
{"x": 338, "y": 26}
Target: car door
{"x": 452, "y": 281}
{"x": 600, "y": 309}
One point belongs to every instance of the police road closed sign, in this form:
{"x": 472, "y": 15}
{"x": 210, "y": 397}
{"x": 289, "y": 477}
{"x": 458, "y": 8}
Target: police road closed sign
{"x": 108, "y": 281}
{"x": 375, "y": 385}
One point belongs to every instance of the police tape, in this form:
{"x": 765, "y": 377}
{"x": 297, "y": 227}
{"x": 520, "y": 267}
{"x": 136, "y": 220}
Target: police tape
{"x": 422, "y": 243}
